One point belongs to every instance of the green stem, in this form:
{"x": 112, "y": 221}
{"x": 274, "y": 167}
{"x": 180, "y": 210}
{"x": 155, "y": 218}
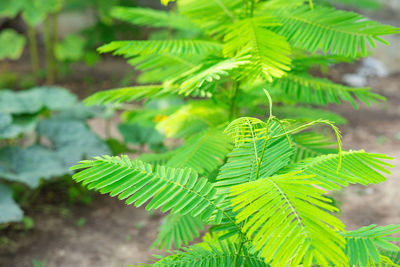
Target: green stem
{"x": 236, "y": 260}
{"x": 54, "y": 40}
{"x": 49, "y": 49}
{"x": 235, "y": 90}
{"x": 33, "y": 49}
{"x": 252, "y": 4}
{"x": 259, "y": 161}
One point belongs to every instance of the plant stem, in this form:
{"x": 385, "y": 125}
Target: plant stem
{"x": 252, "y": 4}
{"x": 235, "y": 90}
{"x": 50, "y": 75}
{"x": 33, "y": 49}
{"x": 54, "y": 40}
{"x": 236, "y": 260}
{"x": 259, "y": 161}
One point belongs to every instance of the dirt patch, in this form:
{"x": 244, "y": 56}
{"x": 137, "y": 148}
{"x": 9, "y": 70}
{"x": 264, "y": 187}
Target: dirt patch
{"x": 106, "y": 233}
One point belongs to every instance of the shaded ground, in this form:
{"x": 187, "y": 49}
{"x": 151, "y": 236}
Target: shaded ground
{"x": 377, "y": 130}
{"x": 105, "y": 233}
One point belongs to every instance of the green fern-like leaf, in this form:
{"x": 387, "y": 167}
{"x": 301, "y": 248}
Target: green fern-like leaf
{"x": 287, "y": 219}
{"x": 364, "y": 245}
{"x": 307, "y": 114}
{"x": 305, "y": 88}
{"x": 153, "y": 18}
{"x": 178, "y": 230}
{"x": 203, "y": 152}
{"x": 215, "y": 253}
{"x": 192, "y": 119}
{"x": 206, "y": 75}
{"x": 335, "y": 31}
{"x": 258, "y": 157}
{"x": 156, "y": 159}
{"x": 177, "y": 47}
{"x": 357, "y": 167}
{"x": 157, "y": 68}
{"x": 269, "y": 52}
{"x": 178, "y": 190}
{"x": 128, "y": 94}
{"x": 211, "y": 15}
{"x": 312, "y": 144}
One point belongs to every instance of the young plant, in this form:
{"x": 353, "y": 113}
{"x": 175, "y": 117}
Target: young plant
{"x": 260, "y": 182}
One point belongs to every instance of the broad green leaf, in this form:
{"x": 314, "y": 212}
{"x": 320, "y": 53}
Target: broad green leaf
{"x": 5, "y": 120}
{"x": 29, "y": 165}
{"x": 20, "y": 124}
{"x": 9, "y": 210}
{"x": 34, "y": 100}
{"x": 71, "y": 48}
{"x": 72, "y": 140}
{"x": 11, "y": 44}
{"x": 35, "y": 11}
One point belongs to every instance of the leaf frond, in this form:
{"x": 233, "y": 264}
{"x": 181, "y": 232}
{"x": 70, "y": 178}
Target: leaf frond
{"x": 305, "y": 88}
{"x": 178, "y": 190}
{"x": 157, "y": 68}
{"x": 207, "y": 74}
{"x": 269, "y": 51}
{"x": 121, "y": 95}
{"x": 193, "y": 118}
{"x": 152, "y": 18}
{"x": 357, "y": 167}
{"x": 178, "y": 230}
{"x": 257, "y": 157}
{"x": 335, "y": 31}
{"x": 365, "y": 244}
{"x": 312, "y": 144}
{"x": 287, "y": 219}
{"x": 178, "y": 47}
{"x": 211, "y": 15}
{"x": 215, "y": 253}
{"x": 203, "y": 152}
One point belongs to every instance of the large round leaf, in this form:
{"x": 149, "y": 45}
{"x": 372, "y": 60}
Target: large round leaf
{"x": 5, "y": 120}
{"x": 72, "y": 140}
{"x": 11, "y": 44}
{"x": 11, "y": 8}
{"x": 29, "y": 165}
{"x": 9, "y": 210}
{"x": 34, "y": 100}
{"x": 72, "y": 48}
{"x": 35, "y": 11}
{"x": 18, "y": 125}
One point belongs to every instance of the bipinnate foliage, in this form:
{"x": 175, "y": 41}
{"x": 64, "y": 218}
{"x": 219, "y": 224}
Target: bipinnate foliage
{"x": 271, "y": 204}
{"x": 259, "y": 182}
{"x": 248, "y": 41}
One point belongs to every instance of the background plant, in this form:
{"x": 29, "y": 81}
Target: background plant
{"x": 42, "y": 132}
